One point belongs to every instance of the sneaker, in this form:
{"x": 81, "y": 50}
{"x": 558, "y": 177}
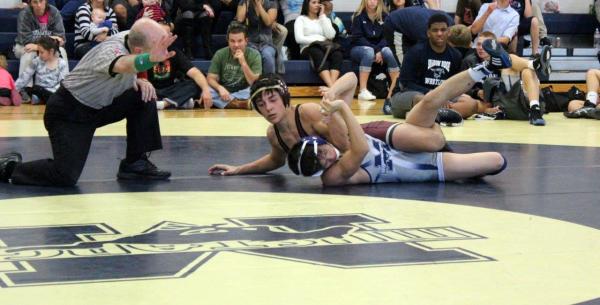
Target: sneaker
{"x": 541, "y": 62}
{"x": 7, "y": 164}
{"x": 546, "y": 41}
{"x": 366, "y": 95}
{"x": 583, "y": 113}
{"x": 141, "y": 169}
{"x": 499, "y": 59}
{"x": 484, "y": 117}
{"x": 25, "y": 98}
{"x": 387, "y": 107}
{"x": 189, "y": 104}
{"x": 170, "y": 103}
{"x": 535, "y": 116}
{"x": 448, "y": 117}
{"x": 35, "y": 100}
{"x": 160, "y": 105}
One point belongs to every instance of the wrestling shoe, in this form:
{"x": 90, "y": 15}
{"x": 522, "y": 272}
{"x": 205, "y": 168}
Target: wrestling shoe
{"x": 546, "y": 41}
{"x": 535, "y": 116}
{"x": 585, "y": 113}
{"x": 387, "y": 106}
{"x": 448, "y": 117}
{"x": 7, "y": 165}
{"x": 541, "y": 62}
{"x": 499, "y": 58}
{"x": 141, "y": 169}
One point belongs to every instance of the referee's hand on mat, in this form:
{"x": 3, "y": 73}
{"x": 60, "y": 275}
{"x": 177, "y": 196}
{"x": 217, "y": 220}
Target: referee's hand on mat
{"x": 159, "y": 51}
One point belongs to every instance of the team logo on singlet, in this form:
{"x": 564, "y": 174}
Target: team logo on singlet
{"x": 85, "y": 253}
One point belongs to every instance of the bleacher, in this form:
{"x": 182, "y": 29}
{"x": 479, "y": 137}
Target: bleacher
{"x": 570, "y": 61}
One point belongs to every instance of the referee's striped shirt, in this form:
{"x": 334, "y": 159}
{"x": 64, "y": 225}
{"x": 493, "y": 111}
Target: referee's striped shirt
{"x": 83, "y": 19}
{"x": 92, "y": 82}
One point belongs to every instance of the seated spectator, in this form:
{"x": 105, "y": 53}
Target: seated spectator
{"x": 37, "y": 20}
{"x": 68, "y": 9}
{"x": 259, "y": 17}
{"x": 588, "y": 108}
{"x": 392, "y": 5}
{"x": 219, "y": 6}
{"x": 125, "y": 10}
{"x": 537, "y": 13}
{"x": 196, "y": 16}
{"x": 233, "y": 69}
{"x": 94, "y": 23}
{"x": 522, "y": 71}
{"x": 47, "y": 68}
{"x": 459, "y": 37}
{"x": 337, "y": 22}
{"x": 291, "y": 10}
{"x": 426, "y": 66}
{"x": 499, "y": 18}
{"x": 315, "y": 33}
{"x": 280, "y": 34}
{"x": 369, "y": 46}
{"x": 466, "y": 11}
{"x": 8, "y": 91}
{"x": 528, "y": 24}
{"x": 155, "y": 10}
{"x": 406, "y": 27}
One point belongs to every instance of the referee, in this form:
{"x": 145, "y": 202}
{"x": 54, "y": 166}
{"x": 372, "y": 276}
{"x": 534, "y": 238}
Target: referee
{"x": 102, "y": 89}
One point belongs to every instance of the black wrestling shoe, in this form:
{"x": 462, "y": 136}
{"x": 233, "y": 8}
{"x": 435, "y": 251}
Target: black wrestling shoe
{"x": 589, "y": 104}
{"x": 535, "y": 116}
{"x": 448, "y": 117}
{"x": 141, "y": 169}
{"x": 541, "y": 62}
{"x": 499, "y": 58}
{"x": 546, "y": 41}
{"x": 583, "y": 113}
{"x": 7, "y": 165}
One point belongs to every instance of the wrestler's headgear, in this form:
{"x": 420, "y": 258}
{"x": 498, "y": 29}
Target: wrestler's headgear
{"x": 302, "y": 158}
{"x": 269, "y": 81}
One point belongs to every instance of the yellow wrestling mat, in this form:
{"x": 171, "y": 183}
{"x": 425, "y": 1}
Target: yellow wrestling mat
{"x": 270, "y": 248}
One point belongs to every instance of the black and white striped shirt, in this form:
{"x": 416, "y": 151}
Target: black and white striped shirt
{"x": 83, "y": 20}
{"x": 92, "y": 82}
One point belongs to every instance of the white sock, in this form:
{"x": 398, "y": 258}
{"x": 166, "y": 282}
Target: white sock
{"x": 478, "y": 72}
{"x": 592, "y": 97}
{"x": 534, "y": 103}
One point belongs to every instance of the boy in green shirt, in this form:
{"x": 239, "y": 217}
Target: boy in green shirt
{"x": 233, "y": 69}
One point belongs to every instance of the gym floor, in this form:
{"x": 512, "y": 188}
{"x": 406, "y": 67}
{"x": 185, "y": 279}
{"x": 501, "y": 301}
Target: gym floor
{"x": 530, "y": 235}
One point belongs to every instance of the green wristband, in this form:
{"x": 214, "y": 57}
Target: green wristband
{"x": 142, "y": 62}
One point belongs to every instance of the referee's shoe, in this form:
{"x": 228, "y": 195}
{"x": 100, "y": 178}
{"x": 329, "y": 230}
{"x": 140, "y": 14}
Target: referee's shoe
{"x": 141, "y": 169}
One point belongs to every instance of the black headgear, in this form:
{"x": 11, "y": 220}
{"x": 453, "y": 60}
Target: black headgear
{"x": 270, "y": 81}
{"x": 302, "y": 158}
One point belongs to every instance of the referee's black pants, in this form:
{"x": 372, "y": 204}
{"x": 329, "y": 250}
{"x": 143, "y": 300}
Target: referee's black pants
{"x": 71, "y": 126}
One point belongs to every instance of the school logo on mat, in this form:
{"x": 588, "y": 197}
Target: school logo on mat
{"x": 47, "y": 255}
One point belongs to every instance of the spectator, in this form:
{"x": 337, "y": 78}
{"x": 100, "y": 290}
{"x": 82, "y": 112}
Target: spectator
{"x": 525, "y": 72}
{"x": 459, "y": 37}
{"x": 537, "y": 12}
{"x": 392, "y": 5}
{"x": 47, "y": 68}
{"x": 406, "y": 27}
{"x": 8, "y": 91}
{"x": 195, "y": 16}
{"x": 260, "y": 16}
{"x": 125, "y": 10}
{"x": 426, "y": 66}
{"x": 369, "y": 45}
{"x": 499, "y": 18}
{"x": 314, "y": 33}
{"x": 337, "y": 22}
{"x": 588, "y": 108}
{"x": 233, "y": 69}
{"x": 528, "y": 24}
{"x": 291, "y": 10}
{"x": 37, "y": 20}
{"x": 85, "y": 35}
{"x": 466, "y": 11}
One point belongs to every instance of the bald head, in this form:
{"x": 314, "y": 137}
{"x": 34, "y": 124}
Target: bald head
{"x": 144, "y": 33}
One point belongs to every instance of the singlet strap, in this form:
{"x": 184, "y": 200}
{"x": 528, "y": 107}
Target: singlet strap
{"x": 301, "y": 130}
{"x": 280, "y": 140}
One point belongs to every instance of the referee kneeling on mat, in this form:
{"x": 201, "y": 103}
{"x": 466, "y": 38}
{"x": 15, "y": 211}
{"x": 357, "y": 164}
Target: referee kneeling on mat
{"x": 102, "y": 89}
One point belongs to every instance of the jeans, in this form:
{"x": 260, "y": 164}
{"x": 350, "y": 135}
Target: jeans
{"x": 268, "y": 54}
{"x": 366, "y": 56}
{"x": 243, "y": 94}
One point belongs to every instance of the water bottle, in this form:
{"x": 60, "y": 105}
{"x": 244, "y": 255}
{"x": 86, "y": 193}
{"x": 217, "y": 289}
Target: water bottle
{"x": 597, "y": 39}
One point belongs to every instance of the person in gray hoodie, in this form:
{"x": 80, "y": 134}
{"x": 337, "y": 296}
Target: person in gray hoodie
{"x": 37, "y": 20}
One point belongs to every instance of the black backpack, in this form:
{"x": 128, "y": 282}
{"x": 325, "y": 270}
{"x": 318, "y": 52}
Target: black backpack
{"x": 378, "y": 82}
